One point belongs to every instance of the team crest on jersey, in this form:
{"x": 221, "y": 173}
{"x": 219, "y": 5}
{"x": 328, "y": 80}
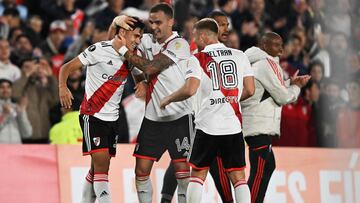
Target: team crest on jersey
{"x": 96, "y": 141}
{"x": 177, "y": 45}
{"x": 92, "y": 47}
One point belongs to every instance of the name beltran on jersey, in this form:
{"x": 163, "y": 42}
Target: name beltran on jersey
{"x": 217, "y": 53}
{"x": 228, "y": 99}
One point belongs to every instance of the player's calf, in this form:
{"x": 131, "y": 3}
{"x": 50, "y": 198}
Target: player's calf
{"x": 242, "y": 192}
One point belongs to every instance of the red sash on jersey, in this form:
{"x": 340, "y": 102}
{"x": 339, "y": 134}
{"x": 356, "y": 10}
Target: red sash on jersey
{"x": 204, "y": 60}
{"x": 102, "y": 95}
{"x": 154, "y": 78}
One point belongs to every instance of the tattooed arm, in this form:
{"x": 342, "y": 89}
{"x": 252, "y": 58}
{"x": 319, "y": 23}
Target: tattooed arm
{"x": 159, "y": 63}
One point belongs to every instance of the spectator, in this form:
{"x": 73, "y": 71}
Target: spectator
{"x": 187, "y": 31}
{"x": 51, "y": 48}
{"x": 14, "y": 123}
{"x": 353, "y": 63}
{"x": 83, "y": 41}
{"x": 254, "y": 24}
{"x": 7, "y": 69}
{"x": 297, "y": 58}
{"x": 68, "y": 131}
{"x": 12, "y": 17}
{"x": 316, "y": 70}
{"x": 22, "y": 10}
{"x": 40, "y": 87}
{"x": 298, "y": 119}
{"x": 53, "y": 42}
{"x": 338, "y": 50}
{"x": 318, "y": 41}
{"x": 76, "y": 86}
{"x": 233, "y": 40}
{"x": 34, "y": 29}
{"x": 105, "y": 17}
{"x": 348, "y": 121}
{"x": 22, "y": 49}
{"x": 329, "y": 104}
{"x": 338, "y": 17}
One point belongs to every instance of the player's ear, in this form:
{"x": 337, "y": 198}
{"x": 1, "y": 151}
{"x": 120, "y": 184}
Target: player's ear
{"x": 122, "y": 32}
{"x": 171, "y": 22}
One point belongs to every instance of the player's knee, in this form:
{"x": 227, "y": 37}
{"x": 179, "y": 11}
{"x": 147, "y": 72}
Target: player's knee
{"x": 142, "y": 171}
{"x": 101, "y": 162}
{"x": 181, "y": 166}
{"x": 236, "y": 176}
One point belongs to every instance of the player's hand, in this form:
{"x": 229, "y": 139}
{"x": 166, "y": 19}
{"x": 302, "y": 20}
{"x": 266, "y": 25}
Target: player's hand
{"x": 164, "y": 102}
{"x": 65, "y": 97}
{"x": 299, "y": 81}
{"x": 123, "y": 21}
{"x": 118, "y": 42}
{"x": 140, "y": 90}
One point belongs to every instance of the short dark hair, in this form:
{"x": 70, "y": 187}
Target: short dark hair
{"x": 137, "y": 24}
{"x": 207, "y": 24}
{"x": 11, "y": 12}
{"x": 215, "y": 14}
{"x": 2, "y": 80}
{"x": 316, "y": 63}
{"x": 21, "y": 36}
{"x": 164, "y": 7}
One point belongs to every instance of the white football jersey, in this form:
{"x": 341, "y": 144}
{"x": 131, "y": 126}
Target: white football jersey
{"x": 217, "y": 101}
{"x": 167, "y": 81}
{"x": 106, "y": 76}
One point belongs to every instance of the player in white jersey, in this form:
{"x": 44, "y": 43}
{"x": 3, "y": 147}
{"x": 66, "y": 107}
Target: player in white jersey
{"x": 106, "y": 76}
{"x": 165, "y": 63}
{"x": 225, "y": 78}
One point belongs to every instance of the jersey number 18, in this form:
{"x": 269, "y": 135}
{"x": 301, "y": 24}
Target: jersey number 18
{"x": 224, "y": 74}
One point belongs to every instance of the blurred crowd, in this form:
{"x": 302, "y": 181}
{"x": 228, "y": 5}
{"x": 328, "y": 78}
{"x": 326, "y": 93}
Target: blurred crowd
{"x": 321, "y": 38}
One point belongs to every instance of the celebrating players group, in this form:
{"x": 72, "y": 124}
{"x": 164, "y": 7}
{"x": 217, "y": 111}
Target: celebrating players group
{"x": 192, "y": 111}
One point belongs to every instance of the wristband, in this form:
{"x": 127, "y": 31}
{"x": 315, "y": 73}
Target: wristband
{"x": 122, "y": 51}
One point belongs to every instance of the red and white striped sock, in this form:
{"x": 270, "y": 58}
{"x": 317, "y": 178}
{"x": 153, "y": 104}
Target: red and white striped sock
{"x": 194, "y": 190}
{"x": 88, "y": 193}
{"x": 101, "y": 187}
{"x": 144, "y": 188}
{"x": 182, "y": 178}
{"x": 242, "y": 192}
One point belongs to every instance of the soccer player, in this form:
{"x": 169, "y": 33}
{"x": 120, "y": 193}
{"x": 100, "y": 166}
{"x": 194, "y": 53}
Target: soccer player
{"x": 105, "y": 79}
{"x": 166, "y": 55}
{"x": 264, "y": 109}
{"x": 217, "y": 171}
{"x": 221, "y": 77}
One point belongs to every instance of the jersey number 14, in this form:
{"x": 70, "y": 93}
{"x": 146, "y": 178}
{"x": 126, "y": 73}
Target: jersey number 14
{"x": 224, "y": 74}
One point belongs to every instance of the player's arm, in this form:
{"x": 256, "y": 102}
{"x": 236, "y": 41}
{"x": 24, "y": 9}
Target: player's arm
{"x": 248, "y": 79}
{"x": 276, "y": 87}
{"x": 249, "y": 87}
{"x": 187, "y": 90}
{"x": 159, "y": 63}
{"x": 64, "y": 93}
